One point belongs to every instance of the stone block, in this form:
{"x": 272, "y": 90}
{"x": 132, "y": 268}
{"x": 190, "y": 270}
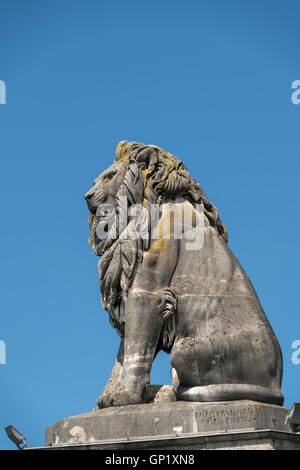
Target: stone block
{"x": 165, "y": 420}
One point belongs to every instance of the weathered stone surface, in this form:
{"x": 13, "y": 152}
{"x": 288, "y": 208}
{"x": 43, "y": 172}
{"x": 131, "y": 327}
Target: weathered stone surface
{"x": 186, "y": 295}
{"x": 160, "y": 394}
{"x": 238, "y": 440}
{"x": 165, "y": 420}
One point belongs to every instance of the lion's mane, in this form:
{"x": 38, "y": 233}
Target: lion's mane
{"x": 153, "y": 176}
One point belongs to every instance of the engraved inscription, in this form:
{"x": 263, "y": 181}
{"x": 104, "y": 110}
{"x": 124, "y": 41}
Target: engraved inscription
{"x": 227, "y": 418}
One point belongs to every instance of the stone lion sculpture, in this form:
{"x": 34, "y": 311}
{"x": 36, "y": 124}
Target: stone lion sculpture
{"x": 194, "y": 302}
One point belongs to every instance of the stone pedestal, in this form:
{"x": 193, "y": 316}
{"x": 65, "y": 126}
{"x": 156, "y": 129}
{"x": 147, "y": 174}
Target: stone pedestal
{"x": 176, "y": 425}
{"x": 238, "y": 440}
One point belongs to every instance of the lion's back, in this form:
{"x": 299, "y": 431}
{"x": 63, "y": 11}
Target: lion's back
{"x": 215, "y": 295}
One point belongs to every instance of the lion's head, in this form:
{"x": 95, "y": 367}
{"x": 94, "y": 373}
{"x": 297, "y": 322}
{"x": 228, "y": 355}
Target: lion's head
{"x": 141, "y": 174}
{"x": 103, "y": 195}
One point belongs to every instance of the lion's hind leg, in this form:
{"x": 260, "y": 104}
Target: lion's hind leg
{"x": 224, "y": 367}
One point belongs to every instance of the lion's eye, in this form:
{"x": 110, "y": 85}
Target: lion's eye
{"x": 109, "y": 175}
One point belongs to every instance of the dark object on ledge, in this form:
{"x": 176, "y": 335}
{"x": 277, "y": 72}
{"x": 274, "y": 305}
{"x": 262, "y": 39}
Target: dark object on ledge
{"x": 293, "y": 418}
{"x": 16, "y": 437}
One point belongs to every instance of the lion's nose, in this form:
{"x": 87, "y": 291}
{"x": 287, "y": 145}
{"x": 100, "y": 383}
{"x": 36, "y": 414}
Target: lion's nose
{"x": 88, "y": 197}
{"x": 89, "y": 194}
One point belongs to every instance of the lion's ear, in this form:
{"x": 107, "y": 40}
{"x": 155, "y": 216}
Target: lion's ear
{"x": 121, "y": 149}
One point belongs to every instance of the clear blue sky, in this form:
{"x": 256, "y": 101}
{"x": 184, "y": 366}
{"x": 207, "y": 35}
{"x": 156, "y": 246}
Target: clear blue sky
{"x": 209, "y": 81}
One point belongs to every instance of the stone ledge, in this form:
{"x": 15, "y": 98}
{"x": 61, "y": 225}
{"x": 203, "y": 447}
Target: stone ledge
{"x": 267, "y": 439}
{"x": 165, "y": 420}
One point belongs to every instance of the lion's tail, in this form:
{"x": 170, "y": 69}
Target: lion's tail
{"x": 225, "y": 392}
{"x": 167, "y": 311}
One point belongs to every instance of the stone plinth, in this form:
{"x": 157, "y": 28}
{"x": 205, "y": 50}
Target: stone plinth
{"x": 164, "y": 422}
{"x": 238, "y": 440}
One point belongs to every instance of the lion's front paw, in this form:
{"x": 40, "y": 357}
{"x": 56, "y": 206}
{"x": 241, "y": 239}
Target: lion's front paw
{"x": 123, "y": 397}
{"x": 104, "y": 401}
{"x": 120, "y": 397}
